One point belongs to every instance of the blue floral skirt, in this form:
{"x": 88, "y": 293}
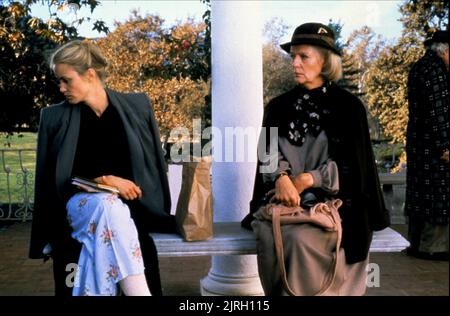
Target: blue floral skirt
{"x": 110, "y": 250}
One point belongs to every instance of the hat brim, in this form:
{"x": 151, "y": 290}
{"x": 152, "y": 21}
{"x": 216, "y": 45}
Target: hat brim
{"x": 305, "y": 41}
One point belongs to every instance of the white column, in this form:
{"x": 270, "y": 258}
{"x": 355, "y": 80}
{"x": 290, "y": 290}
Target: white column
{"x": 237, "y": 102}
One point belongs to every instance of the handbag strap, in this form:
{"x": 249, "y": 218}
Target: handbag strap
{"x": 276, "y": 225}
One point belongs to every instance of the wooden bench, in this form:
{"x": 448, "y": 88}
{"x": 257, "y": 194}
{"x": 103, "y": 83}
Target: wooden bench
{"x": 231, "y": 239}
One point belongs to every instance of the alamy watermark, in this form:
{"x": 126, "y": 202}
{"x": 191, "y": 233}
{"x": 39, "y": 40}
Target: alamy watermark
{"x": 73, "y": 277}
{"x": 230, "y": 144}
{"x": 373, "y": 275}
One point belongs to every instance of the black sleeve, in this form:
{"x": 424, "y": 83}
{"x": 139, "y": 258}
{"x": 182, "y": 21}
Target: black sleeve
{"x": 163, "y": 168}
{"x": 371, "y": 188}
{"x": 41, "y": 220}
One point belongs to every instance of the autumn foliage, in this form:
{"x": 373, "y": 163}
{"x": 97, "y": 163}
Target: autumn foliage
{"x": 169, "y": 65}
{"x": 387, "y": 77}
{"x": 26, "y": 82}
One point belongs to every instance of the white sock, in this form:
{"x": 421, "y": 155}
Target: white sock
{"x": 135, "y": 285}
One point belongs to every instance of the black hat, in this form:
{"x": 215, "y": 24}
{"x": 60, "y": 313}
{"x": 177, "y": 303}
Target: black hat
{"x": 438, "y": 37}
{"x": 313, "y": 34}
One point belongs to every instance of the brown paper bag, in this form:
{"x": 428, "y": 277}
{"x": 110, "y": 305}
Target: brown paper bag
{"x": 194, "y": 214}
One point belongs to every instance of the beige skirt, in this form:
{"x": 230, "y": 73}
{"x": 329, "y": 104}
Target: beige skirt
{"x": 308, "y": 255}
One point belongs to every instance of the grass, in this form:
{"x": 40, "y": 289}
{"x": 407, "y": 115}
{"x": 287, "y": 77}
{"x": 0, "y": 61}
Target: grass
{"x": 10, "y": 160}
{"x": 16, "y": 141}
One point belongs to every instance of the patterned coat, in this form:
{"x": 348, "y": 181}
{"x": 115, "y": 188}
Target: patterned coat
{"x": 427, "y": 137}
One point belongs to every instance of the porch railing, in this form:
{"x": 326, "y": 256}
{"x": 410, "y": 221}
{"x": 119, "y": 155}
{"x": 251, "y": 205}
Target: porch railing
{"x": 394, "y": 190}
{"x": 17, "y": 186}
{"x": 17, "y": 183}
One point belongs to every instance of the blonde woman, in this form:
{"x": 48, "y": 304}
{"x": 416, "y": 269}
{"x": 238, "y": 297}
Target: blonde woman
{"x": 112, "y": 138}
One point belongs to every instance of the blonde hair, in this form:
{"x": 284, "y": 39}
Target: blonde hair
{"x": 332, "y": 64}
{"x": 81, "y": 55}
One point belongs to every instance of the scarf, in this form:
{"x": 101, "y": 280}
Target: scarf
{"x": 306, "y": 114}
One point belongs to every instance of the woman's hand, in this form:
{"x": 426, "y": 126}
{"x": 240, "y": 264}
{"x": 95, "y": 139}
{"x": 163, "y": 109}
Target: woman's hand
{"x": 302, "y": 182}
{"x": 127, "y": 189}
{"x": 285, "y": 192}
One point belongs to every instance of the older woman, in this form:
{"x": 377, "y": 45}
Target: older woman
{"x": 324, "y": 153}
{"x": 112, "y": 138}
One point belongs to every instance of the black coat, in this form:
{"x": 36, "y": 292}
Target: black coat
{"x": 428, "y": 176}
{"x": 57, "y": 143}
{"x": 363, "y": 210}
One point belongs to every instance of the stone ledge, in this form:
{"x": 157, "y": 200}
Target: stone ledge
{"x": 231, "y": 239}
{"x": 392, "y": 178}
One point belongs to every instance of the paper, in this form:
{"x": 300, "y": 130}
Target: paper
{"x": 194, "y": 214}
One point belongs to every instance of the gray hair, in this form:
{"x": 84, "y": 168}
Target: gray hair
{"x": 332, "y": 65}
{"x": 439, "y": 48}
{"x": 81, "y": 55}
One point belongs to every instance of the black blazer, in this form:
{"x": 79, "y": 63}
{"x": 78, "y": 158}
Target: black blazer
{"x": 57, "y": 143}
{"x": 363, "y": 210}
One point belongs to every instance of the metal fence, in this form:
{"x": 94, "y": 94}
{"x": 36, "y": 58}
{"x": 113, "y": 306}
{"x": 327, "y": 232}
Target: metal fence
{"x": 17, "y": 183}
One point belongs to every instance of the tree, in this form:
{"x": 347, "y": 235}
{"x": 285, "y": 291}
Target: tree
{"x": 25, "y": 81}
{"x": 337, "y": 29}
{"x": 363, "y": 46}
{"x": 357, "y": 54}
{"x": 170, "y": 65}
{"x": 386, "y": 88}
{"x": 208, "y": 100}
{"x": 277, "y": 71}
{"x": 424, "y": 17}
{"x": 350, "y": 71}
{"x": 26, "y": 84}
{"x": 361, "y": 49}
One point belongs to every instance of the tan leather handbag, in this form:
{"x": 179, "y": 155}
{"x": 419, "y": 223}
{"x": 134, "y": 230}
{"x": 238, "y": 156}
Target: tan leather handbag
{"x": 324, "y": 215}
